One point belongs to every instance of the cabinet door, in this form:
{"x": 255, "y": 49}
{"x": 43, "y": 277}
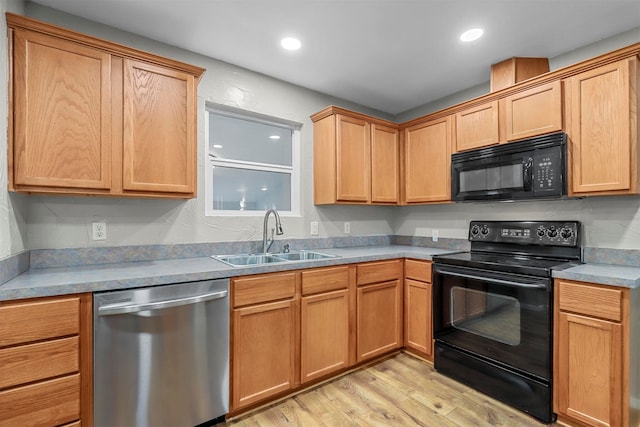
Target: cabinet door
{"x": 418, "y": 329}
{"x": 534, "y": 112}
{"x": 379, "y": 319}
{"x": 264, "y": 348}
{"x": 324, "y": 335}
{"x": 601, "y": 105}
{"x": 353, "y": 159}
{"x": 477, "y": 126}
{"x": 384, "y": 164}
{"x": 62, "y": 114}
{"x": 159, "y": 139}
{"x": 427, "y": 160}
{"x": 589, "y": 372}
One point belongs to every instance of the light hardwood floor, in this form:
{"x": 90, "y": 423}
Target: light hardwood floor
{"x": 398, "y": 391}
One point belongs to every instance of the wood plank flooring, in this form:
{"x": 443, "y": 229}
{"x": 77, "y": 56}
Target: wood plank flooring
{"x": 398, "y": 391}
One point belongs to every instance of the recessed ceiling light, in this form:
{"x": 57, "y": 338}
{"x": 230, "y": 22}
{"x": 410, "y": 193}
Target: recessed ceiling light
{"x": 472, "y": 34}
{"x": 290, "y": 43}
{"x": 264, "y": 188}
{"x": 217, "y": 146}
{"x": 274, "y": 137}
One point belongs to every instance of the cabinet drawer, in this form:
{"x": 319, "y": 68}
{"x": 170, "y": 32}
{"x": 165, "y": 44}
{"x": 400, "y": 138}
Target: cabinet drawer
{"x": 418, "y": 270}
{"x": 52, "y": 402}
{"x": 38, "y": 320}
{"x": 376, "y": 272}
{"x": 39, "y": 361}
{"x": 603, "y": 302}
{"x": 325, "y": 279}
{"x": 263, "y": 288}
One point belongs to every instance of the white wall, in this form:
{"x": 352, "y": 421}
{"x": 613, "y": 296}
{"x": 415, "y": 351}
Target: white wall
{"x": 35, "y": 222}
{"x": 63, "y": 222}
{"x": 13, "y": 207}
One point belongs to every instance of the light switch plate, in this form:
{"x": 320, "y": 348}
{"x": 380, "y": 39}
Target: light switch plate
{"x": 314, "y": 228}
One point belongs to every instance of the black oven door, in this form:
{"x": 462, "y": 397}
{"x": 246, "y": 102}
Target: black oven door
{"x": 503, "y": 317}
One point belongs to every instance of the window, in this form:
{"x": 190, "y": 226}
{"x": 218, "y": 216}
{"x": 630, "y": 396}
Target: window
{"x": 252, "y": 163}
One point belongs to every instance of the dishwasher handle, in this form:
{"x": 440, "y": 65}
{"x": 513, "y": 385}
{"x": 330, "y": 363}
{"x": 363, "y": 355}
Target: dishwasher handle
{"x": 119, "y": 308}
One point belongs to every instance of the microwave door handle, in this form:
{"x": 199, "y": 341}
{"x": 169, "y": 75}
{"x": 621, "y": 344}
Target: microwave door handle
{"x": 527, "y": 171}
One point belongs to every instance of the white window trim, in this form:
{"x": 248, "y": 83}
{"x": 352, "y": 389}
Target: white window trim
{"x": 210, "y": 161}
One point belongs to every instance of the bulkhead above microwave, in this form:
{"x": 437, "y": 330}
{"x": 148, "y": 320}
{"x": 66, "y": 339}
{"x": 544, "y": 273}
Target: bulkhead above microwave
{"x": 533, "y": 168}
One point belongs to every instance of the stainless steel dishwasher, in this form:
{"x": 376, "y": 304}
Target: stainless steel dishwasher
{"x": 161, "y": 355}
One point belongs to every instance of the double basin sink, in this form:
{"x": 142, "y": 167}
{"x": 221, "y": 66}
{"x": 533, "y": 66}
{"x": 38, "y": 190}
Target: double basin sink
{"x": 260, "y": 259}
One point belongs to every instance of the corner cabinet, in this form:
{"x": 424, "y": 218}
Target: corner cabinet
{"x": 46, "y": 361}
{"x": 602, "y": 124}
{"x": 426, "y": 158}
{"x": 355, "y": 158}
{"x": 595, "y": 372}
{"x": 92, "y": 117}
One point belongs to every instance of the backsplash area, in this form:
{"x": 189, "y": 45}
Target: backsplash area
{"x": 46, "y": 258}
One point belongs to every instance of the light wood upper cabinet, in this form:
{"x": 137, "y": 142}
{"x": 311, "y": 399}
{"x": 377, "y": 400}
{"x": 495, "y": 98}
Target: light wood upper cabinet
{"x": 355, "y": 158}
{"x": 601, "y": 108}
{"x": 427, "y": 161}
{"x": 477, "y": 126}
{"x": 534, "y": 111}
{"x": 592, "y": 372}
{"x": 159, "y": 152}
{"x": 61, "y": 113}
{"x": 93, "y": 117}
{"x": 385, "y": 164}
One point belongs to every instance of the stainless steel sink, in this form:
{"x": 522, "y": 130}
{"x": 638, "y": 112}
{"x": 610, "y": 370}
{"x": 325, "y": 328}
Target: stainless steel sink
{"x": 247, "y": 259}
{"x": 261, "y": 259}
{"x": 304, "y": 255}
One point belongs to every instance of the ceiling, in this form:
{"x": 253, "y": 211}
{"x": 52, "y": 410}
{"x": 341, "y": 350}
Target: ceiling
{"x": 390, "y": 55}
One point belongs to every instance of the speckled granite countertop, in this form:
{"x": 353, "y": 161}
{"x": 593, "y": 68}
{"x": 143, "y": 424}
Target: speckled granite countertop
{"x": 39, "y": 282}
{"x": 605, "y": 274}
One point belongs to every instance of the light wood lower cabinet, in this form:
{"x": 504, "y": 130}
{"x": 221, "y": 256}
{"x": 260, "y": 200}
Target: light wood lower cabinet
{"x": 325, "y": 318}
{"x": 593, "y": 378}
{"x": 418, "y": 322}
{"x": 265, "y": 337}
{"x": 379, "y": 308}
{"x": 46, "y": 361}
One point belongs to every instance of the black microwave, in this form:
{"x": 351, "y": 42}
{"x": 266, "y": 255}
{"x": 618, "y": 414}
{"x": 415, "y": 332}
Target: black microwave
{"x": 533, "y": 168}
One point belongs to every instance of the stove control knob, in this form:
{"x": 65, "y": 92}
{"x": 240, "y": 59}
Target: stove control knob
{"x": 541, "y": 232}
{"x": 475, "y": 230}
{"x": 552, "y": 232}
{"x": 566, "y": 233}
{"x": 485, "y": 230}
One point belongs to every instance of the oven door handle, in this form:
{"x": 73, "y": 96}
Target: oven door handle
{"x": 540, "y": 285}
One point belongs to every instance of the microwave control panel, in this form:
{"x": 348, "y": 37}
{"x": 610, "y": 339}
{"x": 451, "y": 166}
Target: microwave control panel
{"x": 547, "y": 171}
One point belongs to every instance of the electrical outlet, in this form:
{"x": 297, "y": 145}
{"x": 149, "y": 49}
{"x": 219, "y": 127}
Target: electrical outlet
{"x": 434, "y": 235}
{"x": 347, "y": 227}
{"x": 314, "y": 228}
{"x": 99, "y": 230}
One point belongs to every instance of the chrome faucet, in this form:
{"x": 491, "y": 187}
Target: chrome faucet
{"x": 265, "y": 243}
